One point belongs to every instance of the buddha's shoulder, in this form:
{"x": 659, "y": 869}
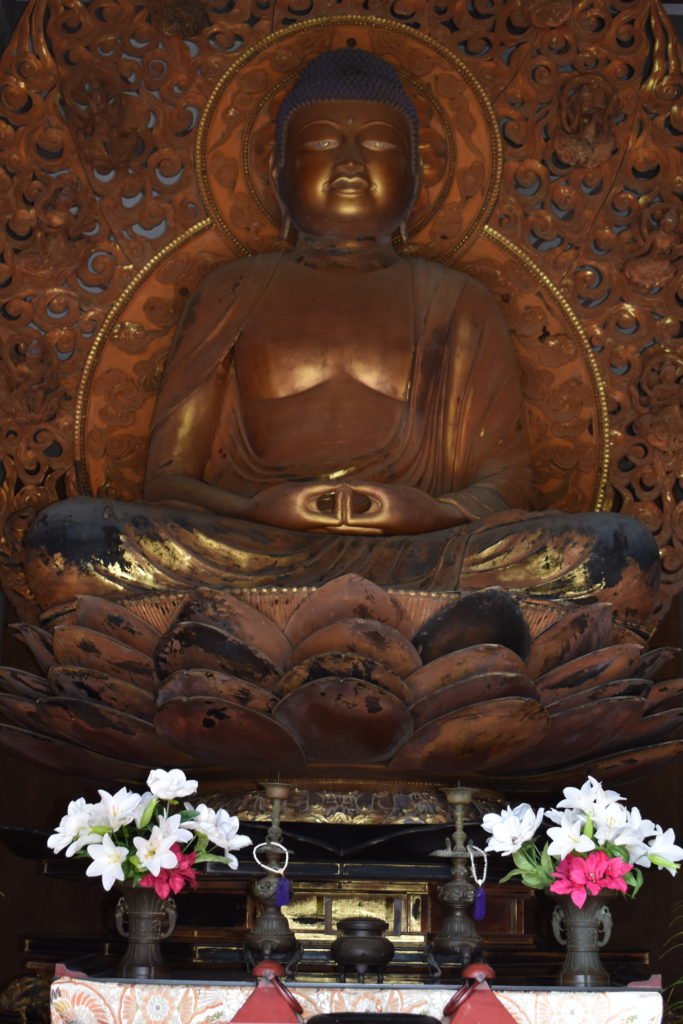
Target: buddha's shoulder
{"x": 453, "y": 282}
{"x": 242, "y": 269}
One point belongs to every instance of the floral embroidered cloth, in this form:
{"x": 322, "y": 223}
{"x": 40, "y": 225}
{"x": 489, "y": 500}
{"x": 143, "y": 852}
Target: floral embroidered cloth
{"x": 75, "y": 1001}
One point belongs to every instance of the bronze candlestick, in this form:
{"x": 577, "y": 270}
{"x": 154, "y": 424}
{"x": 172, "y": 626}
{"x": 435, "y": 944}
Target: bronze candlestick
{"x": 271, "y": 938}
{"x": 458, "y": 940}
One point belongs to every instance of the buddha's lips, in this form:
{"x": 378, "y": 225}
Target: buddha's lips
{"x": 349, "y": 184}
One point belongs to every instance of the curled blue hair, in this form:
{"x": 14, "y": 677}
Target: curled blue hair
{"x": 346, "y": 74}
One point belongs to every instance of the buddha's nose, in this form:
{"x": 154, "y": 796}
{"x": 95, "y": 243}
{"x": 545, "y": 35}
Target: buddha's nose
{"x": 351, "y": 155}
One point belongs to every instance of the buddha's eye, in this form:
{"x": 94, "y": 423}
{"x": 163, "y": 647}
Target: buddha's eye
{"x": 321, "y": 144}
{"x": 377, "y": 144}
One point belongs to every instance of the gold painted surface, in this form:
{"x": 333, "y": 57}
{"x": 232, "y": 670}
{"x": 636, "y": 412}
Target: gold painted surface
{"x": 404, "y": 907}
{"x": 423, "y": 63}
{"x": 588, "y": 190}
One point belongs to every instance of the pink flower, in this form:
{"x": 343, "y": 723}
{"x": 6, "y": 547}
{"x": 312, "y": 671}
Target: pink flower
{"x": 578, "y": 876}
{"x": 173, "y": 879}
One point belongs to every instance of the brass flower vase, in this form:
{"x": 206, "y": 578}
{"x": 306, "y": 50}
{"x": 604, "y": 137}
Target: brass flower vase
{"x": 584, "y": 931}
{"x": 145, "y": 920}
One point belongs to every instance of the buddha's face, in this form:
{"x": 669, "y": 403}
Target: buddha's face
{"x": 347, "y": 169}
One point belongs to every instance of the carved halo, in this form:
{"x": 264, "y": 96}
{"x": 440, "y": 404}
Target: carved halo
{"x": 458, "y": 128}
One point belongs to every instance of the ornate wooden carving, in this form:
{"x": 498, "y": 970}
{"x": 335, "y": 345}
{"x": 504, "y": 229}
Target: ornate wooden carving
{"x": 100, "y": 105}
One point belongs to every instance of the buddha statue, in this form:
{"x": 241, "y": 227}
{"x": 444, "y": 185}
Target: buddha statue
{"x": 341, "y": 406}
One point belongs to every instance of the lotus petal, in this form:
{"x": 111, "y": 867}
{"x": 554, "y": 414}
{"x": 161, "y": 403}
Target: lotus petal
{"x": 589, "y": 670}
{"x": 22, "y": 711}
{"x": 361, "y": 636}
{"x": 580, "y": 732}
{"x": 201, "y": 645}
{"x": 633, "y": 763}
{"x": 222, "y": 608}
{"x": 69, "y": 758}
{"x": 118, "y": 621}
{"x": 471, "y": 690}
{"x": 580, "y": 631}
{"x": 38, "y": 641}
{"x": 159, "y": 610}
{"x": 348, "y": 597}
{"x": 108, "y": 731}
{"x": 656, "y": 726}
{"x": 483, "y": 617}
{"x": 624, "y": 765}
{"x": 667, "y": 694}
{"x": 345, "y": 721}
{"x": 343, "y": 666}
{"x": 652, "y": 661}
{"x": 470, "y": 661}
{"x": 58, "y": 615}
{"x": 474, "y": 738}
{"x": 204, "y": 682}
{"x": 23, "y": 684}
{"x": 78, "y": 645}
{"x": 87, "y": 684}
{"x": 617, "y": 688}
{"x": 219, "y": 732}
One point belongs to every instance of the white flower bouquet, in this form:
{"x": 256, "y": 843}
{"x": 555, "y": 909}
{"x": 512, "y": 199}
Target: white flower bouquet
{"x": 594, "y": 843}
{"x": 142, "y": 838}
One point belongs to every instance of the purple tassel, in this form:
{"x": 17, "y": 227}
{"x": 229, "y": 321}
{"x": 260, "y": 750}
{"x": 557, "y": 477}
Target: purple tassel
{"x": 283, "y": 891}
{"x": 479, "y": 904}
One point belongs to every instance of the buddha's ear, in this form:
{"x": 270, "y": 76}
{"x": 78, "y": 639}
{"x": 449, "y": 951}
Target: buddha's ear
{"x": 433, "y": 156}
{"x": 274, "y": 178}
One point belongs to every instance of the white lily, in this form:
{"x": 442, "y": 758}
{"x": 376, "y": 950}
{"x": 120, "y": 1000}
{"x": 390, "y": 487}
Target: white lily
{"x": 568, "y": 837}
{"x": 170, "y": 826}
{"x": 171, "y": 785}
{"x": 205, "y": 820}
{"x": 609, "y": 820}
{"x": 633, "y": 835}
{"x": 662, "y": 851}
{"x": 107, "y": 861}
{"x": 588, "y": 796}
{"x": 567, "y": 815}
{"x": 511, "y": 828}
{"x": 73, "y": 831}
{"x": 224, "y": 832}
{"x": 155, "y": 852}
{"x": 116, "y": 810}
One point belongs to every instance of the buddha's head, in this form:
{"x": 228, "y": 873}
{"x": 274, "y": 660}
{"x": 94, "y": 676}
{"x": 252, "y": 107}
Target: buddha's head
{"x": 346, "y": 158}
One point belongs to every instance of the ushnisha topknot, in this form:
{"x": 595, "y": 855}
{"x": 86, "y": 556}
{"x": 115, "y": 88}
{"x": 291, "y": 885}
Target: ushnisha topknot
{"x": 346, "y": 74}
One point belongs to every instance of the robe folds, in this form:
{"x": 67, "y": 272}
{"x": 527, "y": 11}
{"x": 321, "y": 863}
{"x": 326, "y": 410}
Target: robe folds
{"x": 456, "y": 440}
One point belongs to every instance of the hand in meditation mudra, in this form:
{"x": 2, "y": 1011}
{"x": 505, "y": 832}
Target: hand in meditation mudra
{"x": 341, "y": 407}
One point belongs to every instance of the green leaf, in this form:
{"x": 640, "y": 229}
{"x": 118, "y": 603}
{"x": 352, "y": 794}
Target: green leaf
{"x": 588, "y": 828}
{"x": 547, "y": 862}
{"x": 522, "y": 859}
{"x": 638, "y": 875}
{"x": 616, "y": 851}
{"x": 534, "y": 879}
{"x": 202, "y": 842}
{"x": 100, "y": 830}
{"x": 510, "y": 874}
{"x": 203, "y": 858}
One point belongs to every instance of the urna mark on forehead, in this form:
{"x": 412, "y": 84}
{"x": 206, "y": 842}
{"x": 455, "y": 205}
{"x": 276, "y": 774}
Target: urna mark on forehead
{"x": 347, "y": 74}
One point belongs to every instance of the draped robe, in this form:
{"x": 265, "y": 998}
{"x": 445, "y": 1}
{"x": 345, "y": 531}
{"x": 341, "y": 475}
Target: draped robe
{"x": 461, "y": 438}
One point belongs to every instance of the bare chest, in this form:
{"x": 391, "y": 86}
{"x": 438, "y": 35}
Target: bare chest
{"x": 313, "y": 330}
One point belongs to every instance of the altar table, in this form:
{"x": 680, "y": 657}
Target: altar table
{"x": 96, "y": 1001}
